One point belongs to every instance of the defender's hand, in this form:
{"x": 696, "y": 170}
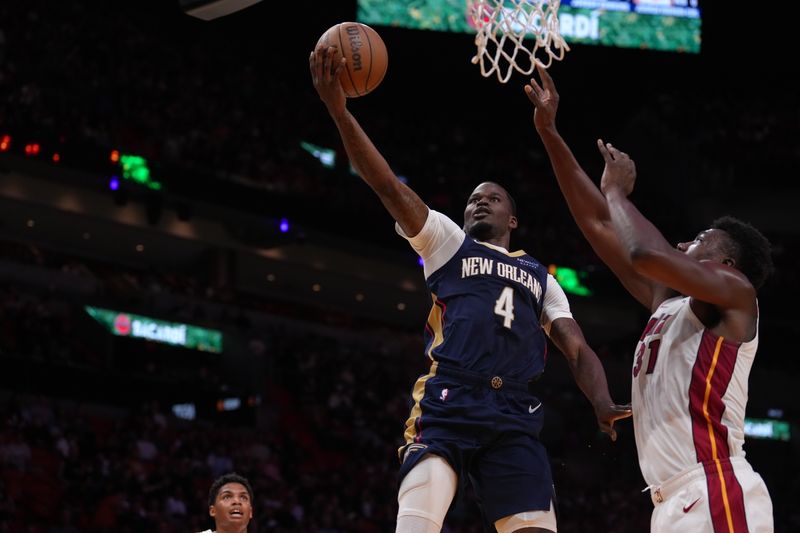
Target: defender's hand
{"x": 620, "y": 170}
{"x": 544, "y": 98}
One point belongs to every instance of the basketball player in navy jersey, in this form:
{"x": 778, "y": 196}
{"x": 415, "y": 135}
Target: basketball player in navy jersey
{"x": 692, "y": 361}
{"x": 474, "y": 414}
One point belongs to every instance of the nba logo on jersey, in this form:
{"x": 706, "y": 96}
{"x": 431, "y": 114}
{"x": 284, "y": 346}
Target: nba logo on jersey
{"x": 443, "y": 396}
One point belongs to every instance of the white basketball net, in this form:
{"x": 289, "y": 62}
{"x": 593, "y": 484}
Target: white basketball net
{"x": 502, "y": 27}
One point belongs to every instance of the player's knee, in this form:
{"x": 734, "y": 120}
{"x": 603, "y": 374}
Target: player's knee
{"x": 416, "y": 524}
{"x": 427, "y": 490}
{"x": 531, "y": 521}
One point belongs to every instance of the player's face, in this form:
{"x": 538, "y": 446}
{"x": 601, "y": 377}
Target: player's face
{"x": 706, "y": 246}
{"x": 488, "y": 213}
{"x": 232, "y": 510}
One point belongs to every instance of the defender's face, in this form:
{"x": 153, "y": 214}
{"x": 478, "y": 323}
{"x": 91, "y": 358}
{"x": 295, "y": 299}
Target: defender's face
{"x": 232, "y": 509}
{"x": 489, "y": 212}
{"x": 706, "y": 246}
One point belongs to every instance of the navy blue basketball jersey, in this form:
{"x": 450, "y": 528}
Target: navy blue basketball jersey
{"x": 486, "y": 309}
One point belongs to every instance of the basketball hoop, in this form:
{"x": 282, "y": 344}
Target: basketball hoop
{"x": 502, "y": 26}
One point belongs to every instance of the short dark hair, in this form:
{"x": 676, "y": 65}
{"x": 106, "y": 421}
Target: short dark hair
{"x": 513, "y": 202}
{"x": 231, "y": 477}
{"x": 508, "y": 195}
{"x": 748, "y": 247}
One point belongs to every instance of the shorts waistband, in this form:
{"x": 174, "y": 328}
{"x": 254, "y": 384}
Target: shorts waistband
{"x": 493, "y": 382}
{"x": 660, "y": 493}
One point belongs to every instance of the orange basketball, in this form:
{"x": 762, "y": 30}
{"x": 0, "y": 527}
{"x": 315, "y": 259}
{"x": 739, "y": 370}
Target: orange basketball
{"x": 366, "y": 56}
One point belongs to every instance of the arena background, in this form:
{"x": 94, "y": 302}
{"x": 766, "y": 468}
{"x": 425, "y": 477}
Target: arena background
{"x": 319, "y": 304}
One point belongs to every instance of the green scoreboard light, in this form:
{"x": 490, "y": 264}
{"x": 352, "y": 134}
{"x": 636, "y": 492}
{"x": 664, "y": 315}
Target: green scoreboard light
{"x": 124, "y": 324}
{"x": 765, "y": 428}
{"x": 644, "y": 24}
{"x": 570, "y": 280}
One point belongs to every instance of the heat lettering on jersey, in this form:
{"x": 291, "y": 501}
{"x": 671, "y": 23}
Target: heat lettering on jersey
{"x": 473, "y": 266}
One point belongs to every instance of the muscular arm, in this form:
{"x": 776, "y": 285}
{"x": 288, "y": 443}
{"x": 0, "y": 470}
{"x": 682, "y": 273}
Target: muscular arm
{"x": 585, "y": 202}
{"x": 588, "y": 373}
{"x": 653, "y": 257}
{"x": 403, "y": 204}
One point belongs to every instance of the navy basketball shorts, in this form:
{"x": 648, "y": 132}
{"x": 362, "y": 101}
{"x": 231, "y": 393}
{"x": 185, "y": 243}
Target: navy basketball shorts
{"x": 487, "y": 428}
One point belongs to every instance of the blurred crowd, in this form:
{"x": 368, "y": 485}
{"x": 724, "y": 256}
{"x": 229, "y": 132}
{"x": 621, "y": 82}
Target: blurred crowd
{"x": 319, "y": 446}
{"x": 165, "y": 86}
{"x": 322, "y": 457}
{"x": 84, "y": 446}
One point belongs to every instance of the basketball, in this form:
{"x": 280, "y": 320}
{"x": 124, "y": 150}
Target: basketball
{"x": 366, "y": 56}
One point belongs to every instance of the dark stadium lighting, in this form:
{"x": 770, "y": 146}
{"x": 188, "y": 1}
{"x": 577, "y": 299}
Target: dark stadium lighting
{"x": 135, "y": 168}
{"x": 5, "y": 143}
{"x": 284, "y": 225}
{"x": 775, "y": 413}
{"x": 113, "y": 183}
{"x": 186, "y": 411}
{"x": 326, "y": 156}
{"x": 229, "y": 404}
{"x": 213, "y": 9}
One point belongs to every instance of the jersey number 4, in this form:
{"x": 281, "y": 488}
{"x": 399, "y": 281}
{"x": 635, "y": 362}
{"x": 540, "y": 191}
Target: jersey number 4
{"x": 504, "y": 306}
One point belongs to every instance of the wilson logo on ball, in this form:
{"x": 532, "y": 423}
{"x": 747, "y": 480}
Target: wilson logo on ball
{"x": 354, "y": 35}
{"x": 365, "y": 53}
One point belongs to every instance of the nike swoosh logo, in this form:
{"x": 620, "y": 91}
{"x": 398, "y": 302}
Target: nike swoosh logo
{"x": 688, "y": 508}
{"x": 532, "y": 409}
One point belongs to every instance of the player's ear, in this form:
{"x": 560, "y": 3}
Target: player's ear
{"x": 729, "y": 261}
{"x": 212, "y": 511}
{"x": 512, "y": 222}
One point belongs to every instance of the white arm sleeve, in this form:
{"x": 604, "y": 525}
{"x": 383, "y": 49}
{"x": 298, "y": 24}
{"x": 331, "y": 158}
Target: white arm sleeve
{"x": 555, "y": 305}
{"x": 438, "y": 241}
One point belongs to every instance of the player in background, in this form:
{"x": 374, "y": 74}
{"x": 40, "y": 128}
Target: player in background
{"x": 691, "y": 365}
{"x": 475, "y": 415}
{"x": 230, "y": 504}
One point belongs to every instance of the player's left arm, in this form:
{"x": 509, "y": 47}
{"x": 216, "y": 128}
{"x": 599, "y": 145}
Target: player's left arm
{"x": 583, "y": 362}
{"x": 654, "y": 258}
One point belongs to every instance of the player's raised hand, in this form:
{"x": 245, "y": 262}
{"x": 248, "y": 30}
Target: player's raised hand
{"x": 608, "y": 414}
{"x": 544, "y": 98}
{"x": 620, "y": 170}
{"x": 326, "y": 65}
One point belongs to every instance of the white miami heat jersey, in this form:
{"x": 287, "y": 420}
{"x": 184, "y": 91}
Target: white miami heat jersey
{"x": 689, "y": 393}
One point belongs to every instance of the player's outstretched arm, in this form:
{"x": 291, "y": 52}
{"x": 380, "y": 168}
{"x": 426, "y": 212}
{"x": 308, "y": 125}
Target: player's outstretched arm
{"x": 403, "y": 204}
{"x": 588, "y": 373}
{"x": 655, "y": 258}
{"x": 586, "y": 203}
